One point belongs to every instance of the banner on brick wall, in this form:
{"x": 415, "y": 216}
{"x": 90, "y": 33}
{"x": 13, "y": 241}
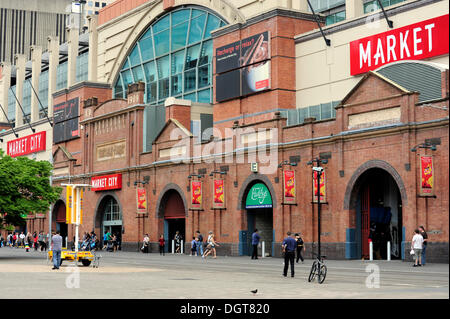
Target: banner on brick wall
{"x": 289, "y": 187}
{"x": 426, "y": 176}
{"x": 141, "y": 200}
{"x": 322, "y": 185}
{"x": 219, "y": 194}
{"x": 196, "y": 195}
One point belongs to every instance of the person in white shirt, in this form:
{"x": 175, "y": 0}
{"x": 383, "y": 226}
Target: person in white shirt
{"x": 416, "y": 245}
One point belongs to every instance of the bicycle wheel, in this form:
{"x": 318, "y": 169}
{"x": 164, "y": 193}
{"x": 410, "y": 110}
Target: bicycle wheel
{"x": 322, "y": 273}
{"x": 312, "y": 273}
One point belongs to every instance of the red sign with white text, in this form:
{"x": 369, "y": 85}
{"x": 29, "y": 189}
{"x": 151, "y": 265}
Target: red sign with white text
{"x": 107, "y": 182}
{"x": 417, "y": 41}
{"x": 27, "y": 145}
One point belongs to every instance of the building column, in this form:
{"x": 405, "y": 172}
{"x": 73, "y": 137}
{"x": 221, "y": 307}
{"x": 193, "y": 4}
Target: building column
{"x": 72, "y": 43}
{"x": 353, "y": 9}
{"x": 19, "y": 60}
{"x": 36, "y": 60}
{"x": 300, "y": 5}
{"x": 53, "y": 61}
{"x": 93, "y": 48}
{"x": 5, "y": 83}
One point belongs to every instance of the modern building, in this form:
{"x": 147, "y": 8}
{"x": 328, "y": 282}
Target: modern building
{"x": 208, "y": 115}
{"x": 24, "y": 23}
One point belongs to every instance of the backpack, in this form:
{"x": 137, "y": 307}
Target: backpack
{"x": 300, "y": 242}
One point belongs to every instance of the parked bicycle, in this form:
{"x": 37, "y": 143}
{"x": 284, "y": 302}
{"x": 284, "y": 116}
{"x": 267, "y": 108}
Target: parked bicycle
{"x": 318, "y": 269}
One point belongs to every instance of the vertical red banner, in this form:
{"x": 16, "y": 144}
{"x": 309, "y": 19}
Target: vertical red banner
{"x": 219, "y": 194}
{"x": 289, "y": 187}
{"x": 323, "y": 197}
{"x": 196, "y": 195}
{"x": 426, "y": 176}
{"x": 141, "y": 201}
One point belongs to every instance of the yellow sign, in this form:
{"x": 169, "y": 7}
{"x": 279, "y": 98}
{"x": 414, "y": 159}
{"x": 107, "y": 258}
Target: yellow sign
{"x": 71, "y": 208}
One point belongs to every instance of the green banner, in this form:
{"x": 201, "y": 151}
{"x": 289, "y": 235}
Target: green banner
{"x": 258, "y": 197}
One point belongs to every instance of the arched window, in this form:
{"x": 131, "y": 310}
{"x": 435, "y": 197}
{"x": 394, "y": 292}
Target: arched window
{"x": 173, "y": 57}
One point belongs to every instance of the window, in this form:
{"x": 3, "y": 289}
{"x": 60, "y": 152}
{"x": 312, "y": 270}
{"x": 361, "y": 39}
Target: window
{"x": 103, "y": 4}
{"x": 97, "y": 4}
{"x": 335, "y": 17}
{"x": 173, "y": 57}
{"x": 12, "y": 103}
{"x": 370, "y": 6}
{"x": 322, "y": 5}
{"x": 82, "y": 67}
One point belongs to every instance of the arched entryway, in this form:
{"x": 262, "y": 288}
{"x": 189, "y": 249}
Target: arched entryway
{"x": 109, "y": 218}
{"x": 258, "y": 206}
{"x": 172, "y": 210}
{"x": 59, "y": 220}
{"x": 376, "y": 200}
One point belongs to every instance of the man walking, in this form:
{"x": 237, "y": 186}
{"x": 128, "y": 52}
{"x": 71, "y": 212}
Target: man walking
{"x": 289, "y": 245}
{"x": 56, "y": 248}
{"x": 255, "y": 241}
{"x": 425, "y": 242}
{"x": 200, "y": 243}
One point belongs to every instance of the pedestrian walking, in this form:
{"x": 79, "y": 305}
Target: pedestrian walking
{"x": 114, "y": 242}
{"x": 200, "y": 243}
{"x": 145, "y": 244}
{"x": 177, "y": 239}
{"x": 194, "y": 246}
{"x": 56, "y": 250}
{"x": 35, "y": 241}
{"x": 211, "y": 247}
{"x": 289, "y": 245}
{"x": 162, "y": 244}
{"x": 416, "y": 246}
{"x": 41, "y": 239}
{"x": 21, "y": 239}
{"x": 255, "y": 242}
{"x": 300, "y": 247}
{"x": 425, "y": 243}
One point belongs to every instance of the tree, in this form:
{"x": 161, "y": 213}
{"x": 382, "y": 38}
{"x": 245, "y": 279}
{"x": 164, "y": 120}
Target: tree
{"x": 24, "y": 188}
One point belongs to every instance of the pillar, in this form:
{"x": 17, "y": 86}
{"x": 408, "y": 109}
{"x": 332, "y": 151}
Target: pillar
{"x": 72, "y": 43}
{"x": 5, "y": 83}
{"x": 53, "y": 58}
{"x": 36, "y": 59}
{"x": 353, "y": 9}
{"x": 93, "y": 48}
{"x": 19, "y": 60}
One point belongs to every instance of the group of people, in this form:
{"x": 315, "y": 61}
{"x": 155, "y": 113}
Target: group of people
{"x": 419, "y": 246}
{"x": 111, "y": 241}
{"x": 198, "y": 248}
{"x": 291, "y": 244}
{"x": 89, "y": 241}
{"x": 28, "y": 241}
{"x": 299, "y": 245}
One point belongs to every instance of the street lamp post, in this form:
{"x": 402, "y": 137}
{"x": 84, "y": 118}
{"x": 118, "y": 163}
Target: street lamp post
{"x": 319, "y": 171}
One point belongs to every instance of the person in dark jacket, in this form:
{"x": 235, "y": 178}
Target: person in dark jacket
{"x": 300, "y": 247}
{"x": 255, "y": 241}
{"x": 289, "y": 246}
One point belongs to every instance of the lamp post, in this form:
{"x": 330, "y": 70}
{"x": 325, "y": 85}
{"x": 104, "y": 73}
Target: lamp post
{"x": 319, "y": 170}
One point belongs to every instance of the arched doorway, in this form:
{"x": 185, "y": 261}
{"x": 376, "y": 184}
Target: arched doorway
{"x": 109, "y": 218}
{"x": 173, "y": 211}
{"x": 59, "y": 220}
{"x": 378, "y": 207}
{"x": 259, "y": 210}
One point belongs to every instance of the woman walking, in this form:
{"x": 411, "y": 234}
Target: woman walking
{"x": 162, "y": 244}
{"x": 211, "y": 246}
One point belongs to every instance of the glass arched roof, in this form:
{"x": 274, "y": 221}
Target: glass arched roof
{"x": 173, "y": 57}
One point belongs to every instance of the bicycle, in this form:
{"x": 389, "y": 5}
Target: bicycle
{"x": 318, "y": 269}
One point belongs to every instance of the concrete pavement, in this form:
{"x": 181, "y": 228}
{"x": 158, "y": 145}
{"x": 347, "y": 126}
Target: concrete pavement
{"x": 128, "y": 275}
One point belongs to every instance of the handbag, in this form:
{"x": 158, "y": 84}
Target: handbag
{"x": 411, "y": 252}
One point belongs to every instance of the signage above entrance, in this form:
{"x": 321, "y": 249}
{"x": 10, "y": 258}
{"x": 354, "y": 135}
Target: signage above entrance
{"x": 26, "y": 145}
{"x": 107, "y": 182}
{"x": 258, "y": 197}
{"x": 416, "y": 41}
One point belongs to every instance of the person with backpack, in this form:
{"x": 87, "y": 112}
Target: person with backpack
{"x": 300, "y": 247}
{"x": 194, "y": 244}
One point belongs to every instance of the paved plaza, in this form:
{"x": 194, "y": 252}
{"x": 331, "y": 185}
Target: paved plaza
{"x": 128, "y": 275}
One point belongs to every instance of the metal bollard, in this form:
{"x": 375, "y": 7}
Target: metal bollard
{"x": 173, "y": 246}
{"x": 263, "y": 246}
{"x": 370, "y": 250}
{"x": 182, "y": 247}
{"x": 388, "y": 250}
